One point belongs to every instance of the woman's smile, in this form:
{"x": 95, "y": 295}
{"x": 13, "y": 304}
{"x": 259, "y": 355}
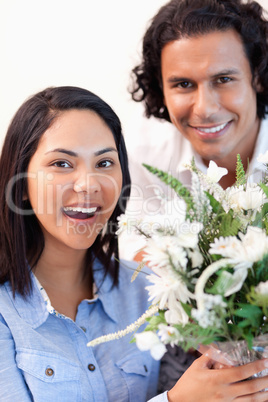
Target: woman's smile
{"x": 75, "y": 179}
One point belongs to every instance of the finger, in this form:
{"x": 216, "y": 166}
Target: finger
{"x": 250, "y": 387}
{"x": 235, "y": 374}
{"x": 259, "y": 397}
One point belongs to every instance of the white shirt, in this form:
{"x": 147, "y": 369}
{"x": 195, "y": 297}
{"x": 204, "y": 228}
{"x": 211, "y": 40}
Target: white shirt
{"x": 159, "y": 144}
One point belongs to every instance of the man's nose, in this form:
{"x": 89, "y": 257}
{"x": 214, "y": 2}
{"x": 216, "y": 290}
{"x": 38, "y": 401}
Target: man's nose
{"x": 206, "y": 102}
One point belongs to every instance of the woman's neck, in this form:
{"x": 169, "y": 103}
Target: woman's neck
{"x": 63, "y": 276}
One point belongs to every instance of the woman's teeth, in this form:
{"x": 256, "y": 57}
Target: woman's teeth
{"x": 79, "y": 209}
{"x": 212, "y": 129}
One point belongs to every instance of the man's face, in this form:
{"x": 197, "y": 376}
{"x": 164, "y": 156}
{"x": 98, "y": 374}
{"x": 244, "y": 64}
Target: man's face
{"x": 208, "y": 91}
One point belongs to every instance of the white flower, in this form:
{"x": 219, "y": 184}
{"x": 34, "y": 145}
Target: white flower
{"x": 263, "y": 158}
{"x": 244, "y": 252}
{"x": 169, "y": 334}
{"x": 176, "y": 315}
{"x": 215, "y": 173}
{"x": 262, "y": 288}
{"x": 164, "y": 251}
{"x": 126, "y": 223}
{"x": 187, "y": 234}
{"x": 205, "y": 315}
{"x": 251, "y": 198}
{"x": 206, "y": 318}
{"x": 148, "y": 340}
{"x": 167, "y": 289}
{"x": 196, "y": 257}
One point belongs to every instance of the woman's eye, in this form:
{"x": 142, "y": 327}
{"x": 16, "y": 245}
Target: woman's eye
{"x": 61, "y": 164}
{"x": 104, "y": 164}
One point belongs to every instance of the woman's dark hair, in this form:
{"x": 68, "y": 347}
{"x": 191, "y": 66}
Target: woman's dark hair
{"x": 190, "y": 18}
{"x": 21, "y": 237}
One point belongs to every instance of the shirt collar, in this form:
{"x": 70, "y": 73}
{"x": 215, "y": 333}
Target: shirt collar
{"x": 35, "y": 309}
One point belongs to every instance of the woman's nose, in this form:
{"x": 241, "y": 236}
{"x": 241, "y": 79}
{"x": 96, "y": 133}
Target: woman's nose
{"x": 88, "y": 183}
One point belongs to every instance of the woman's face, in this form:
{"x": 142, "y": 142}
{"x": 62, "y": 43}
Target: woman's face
{"x": 74, "y": 179}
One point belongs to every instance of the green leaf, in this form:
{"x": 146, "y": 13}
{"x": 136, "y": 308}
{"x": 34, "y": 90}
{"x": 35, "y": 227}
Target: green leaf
{"x": 240, "y": 172}
{"x": 252, "y": 314}
{"x": 216, "y": 206}
{"x": 264, "y": 188}
{"x": 155, "y": 320}
{"x": 229, "y": 225}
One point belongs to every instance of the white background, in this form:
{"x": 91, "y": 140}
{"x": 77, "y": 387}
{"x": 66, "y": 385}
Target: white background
{"x": 89, "y": 43}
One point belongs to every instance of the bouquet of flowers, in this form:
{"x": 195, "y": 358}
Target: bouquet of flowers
{"x": 208, "y": 254}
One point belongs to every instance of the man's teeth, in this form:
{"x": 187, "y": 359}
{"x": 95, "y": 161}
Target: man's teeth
{"x": 83, "y": 210}
{"x": 212, "y": 129}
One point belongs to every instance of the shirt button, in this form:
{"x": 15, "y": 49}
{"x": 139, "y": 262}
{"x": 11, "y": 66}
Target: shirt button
{"x": 91, "y": 367}
{"x": 83, "y": 329}
{"x": 49, "y": 372}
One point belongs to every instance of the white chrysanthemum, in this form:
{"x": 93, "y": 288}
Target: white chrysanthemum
{"x": 165, "y": 251}
{"x": 251, "y": 198}
{"x": 148, "y": 340}
{"x": 255, "y": 244}
{"x": 243, "y": 252}
{"x": 126, "y": 223}
{"x": 229, "y": 246}
{"x": 169, "y": 335}
{"x": 167, "y": 289}
{"x": 263, "y": 158}
{"x": 262, "y": 288}
{"x": 215, "y": 173}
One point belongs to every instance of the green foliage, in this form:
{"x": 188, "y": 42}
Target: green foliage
{"x": 240, "y": 172}
{"x": 252, "y": 316}
{"x": 154, "y": 321}
{"x": 193, "y": 335}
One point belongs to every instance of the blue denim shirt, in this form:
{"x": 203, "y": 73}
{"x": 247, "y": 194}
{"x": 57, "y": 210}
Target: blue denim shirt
{"x": 44, "y": 357}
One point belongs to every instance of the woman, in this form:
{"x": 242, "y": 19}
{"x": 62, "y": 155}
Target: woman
{"x": 64, "y": 180}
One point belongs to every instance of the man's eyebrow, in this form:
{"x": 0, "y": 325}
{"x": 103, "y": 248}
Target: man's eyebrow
{"x": 228, "y": 71}
{"x": 74, "y": 154}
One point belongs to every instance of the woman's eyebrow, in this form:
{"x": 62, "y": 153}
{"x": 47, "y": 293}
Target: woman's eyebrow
{"x": 63, "y": 151}
{"x": 105, "y": 150}
{"x": 74, "y": 154}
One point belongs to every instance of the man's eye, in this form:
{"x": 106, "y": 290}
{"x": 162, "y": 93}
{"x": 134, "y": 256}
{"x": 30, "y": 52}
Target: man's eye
{"x": 224, "y": 80}
{"x": 61, "y": 164}
{"x": 105, "y": 163}
{"x": 184, "y": 84}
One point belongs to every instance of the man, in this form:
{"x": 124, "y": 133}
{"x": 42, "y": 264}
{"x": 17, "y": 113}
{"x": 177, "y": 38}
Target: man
{"x": 204, "y": 69}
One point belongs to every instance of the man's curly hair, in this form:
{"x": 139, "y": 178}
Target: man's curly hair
{"x": 190, "y": 18}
